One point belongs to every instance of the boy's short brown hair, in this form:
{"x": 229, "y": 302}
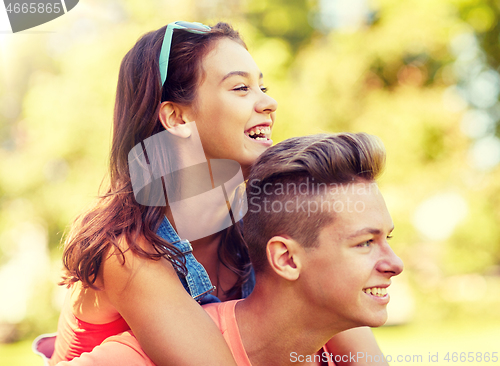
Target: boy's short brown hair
{"x": 291, "y": 178}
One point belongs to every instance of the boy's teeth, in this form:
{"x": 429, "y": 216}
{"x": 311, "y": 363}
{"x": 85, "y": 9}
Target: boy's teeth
{"x": 376, "y": 291}
{"x": 252, "y": 133}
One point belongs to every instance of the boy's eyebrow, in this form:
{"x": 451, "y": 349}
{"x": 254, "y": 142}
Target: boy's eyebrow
{"x": 239, "y": 73}
{"x": 368, "y": 230}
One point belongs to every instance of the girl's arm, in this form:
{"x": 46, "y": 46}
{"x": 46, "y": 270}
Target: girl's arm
{"x": 356, "y": 346}
{"x": 170, "y": 326}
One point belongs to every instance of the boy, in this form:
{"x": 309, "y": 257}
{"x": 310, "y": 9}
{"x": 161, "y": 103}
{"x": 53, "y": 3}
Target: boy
{"x": 317, "y": 229}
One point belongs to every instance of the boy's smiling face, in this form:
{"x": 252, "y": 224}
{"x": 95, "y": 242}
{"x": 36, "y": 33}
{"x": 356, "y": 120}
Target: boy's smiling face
{"x": 346, "y": 277}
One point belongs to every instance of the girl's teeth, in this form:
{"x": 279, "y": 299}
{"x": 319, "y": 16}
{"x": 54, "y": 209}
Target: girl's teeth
{"x": 260, "y": 131}
{"x": 376, "y": 291}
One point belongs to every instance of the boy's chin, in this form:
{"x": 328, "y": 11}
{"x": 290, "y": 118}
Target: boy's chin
{"x": 377, "y": 320}
{"x": 379, "y": 324}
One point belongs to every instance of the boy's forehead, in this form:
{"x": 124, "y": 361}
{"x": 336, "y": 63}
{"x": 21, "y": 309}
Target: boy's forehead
{"x": 354, "y": 207}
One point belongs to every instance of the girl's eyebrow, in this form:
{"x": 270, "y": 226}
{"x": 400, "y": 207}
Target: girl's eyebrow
{"x": 239, "y": 73}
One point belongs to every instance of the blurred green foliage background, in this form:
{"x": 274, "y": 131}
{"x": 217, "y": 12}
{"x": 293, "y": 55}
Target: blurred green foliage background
{"x": 423, "y": 75}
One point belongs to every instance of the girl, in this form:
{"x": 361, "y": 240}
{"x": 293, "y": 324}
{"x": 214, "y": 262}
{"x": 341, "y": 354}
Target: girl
{"x": 126, "y": 267}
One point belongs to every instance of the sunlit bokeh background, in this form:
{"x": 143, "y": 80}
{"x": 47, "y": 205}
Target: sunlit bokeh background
{"x": 423, "y": 75}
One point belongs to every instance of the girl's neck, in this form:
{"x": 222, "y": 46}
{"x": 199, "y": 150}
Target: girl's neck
{"x": 205, "y": 250}
{"x": 208, "y": 241}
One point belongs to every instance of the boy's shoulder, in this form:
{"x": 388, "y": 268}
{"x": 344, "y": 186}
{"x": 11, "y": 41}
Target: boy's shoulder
{"x": 224, "y": 316}
{"x": 222, "y": 313}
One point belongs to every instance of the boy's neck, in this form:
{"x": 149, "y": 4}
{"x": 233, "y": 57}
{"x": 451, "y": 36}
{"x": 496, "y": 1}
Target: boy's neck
{"x": 274, "y": 329}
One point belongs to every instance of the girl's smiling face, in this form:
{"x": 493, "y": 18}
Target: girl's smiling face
{"x": 233, "y": 114}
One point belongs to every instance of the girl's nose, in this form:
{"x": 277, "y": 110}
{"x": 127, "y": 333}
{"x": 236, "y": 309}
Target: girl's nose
{"x": 266, "y": 104}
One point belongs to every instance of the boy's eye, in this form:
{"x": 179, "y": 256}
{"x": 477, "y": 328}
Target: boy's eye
{"x": 389, "y": 237}
{"x": 366, "y": 244}
{"x": 264, "y": 89}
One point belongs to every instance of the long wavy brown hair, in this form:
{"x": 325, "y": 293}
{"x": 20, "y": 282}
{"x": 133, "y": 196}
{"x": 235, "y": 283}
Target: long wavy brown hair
{"x": 117, "y": 214}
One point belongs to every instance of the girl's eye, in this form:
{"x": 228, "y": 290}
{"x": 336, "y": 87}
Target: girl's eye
{"x": 241, "y": 88}
{"x": 389, "y": 237}
{"x": 264, "y": 89}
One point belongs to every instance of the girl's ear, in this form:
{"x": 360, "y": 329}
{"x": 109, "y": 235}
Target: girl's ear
{"x": 172, "y": 118}
{"x": 283, "y": 255}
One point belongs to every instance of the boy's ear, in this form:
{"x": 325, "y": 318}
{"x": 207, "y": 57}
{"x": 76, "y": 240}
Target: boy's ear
{"x": 172, "y": 117}
{"x": 284, "y": 258}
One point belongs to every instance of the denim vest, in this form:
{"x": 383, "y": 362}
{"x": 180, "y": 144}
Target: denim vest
{"x": 196, "y": 282}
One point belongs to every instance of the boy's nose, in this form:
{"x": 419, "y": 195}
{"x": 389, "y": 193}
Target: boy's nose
{"x": 391, "y": 263}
